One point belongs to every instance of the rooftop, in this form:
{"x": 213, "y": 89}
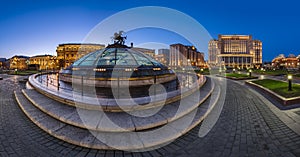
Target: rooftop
{"x": 81, "y": 44}
{"x": 42, "y": 56}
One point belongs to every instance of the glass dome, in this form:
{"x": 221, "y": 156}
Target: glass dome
{"x": 117, "y": 58}
{"x": 119, "y": 67}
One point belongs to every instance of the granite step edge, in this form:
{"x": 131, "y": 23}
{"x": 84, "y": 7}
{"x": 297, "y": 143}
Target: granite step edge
{"x": 147, "y": 143}
{"x": 108, "y": 107}
{"x": 27, "y": 110}
{"x": 133, "y": 127}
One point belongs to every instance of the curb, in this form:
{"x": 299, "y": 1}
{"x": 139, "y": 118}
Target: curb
{"x": 282, "y": 100}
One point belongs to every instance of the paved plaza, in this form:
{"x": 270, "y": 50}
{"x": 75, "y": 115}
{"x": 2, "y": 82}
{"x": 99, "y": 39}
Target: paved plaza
{"x": 247, "y": 126}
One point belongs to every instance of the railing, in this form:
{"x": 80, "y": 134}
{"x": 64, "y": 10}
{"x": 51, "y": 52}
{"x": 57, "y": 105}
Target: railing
{"x": 51, "y": 81}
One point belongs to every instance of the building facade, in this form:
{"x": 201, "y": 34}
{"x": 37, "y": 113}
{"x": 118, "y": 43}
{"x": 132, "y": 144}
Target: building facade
{"x": 70, "y": 52}
{"x": 237, "y": 51}
{"x": 149, "y": 52}
{"x": 18, "y": 62}
{"x": 182, "y": 55}
{"x": 282, "y": 62}
{"x": 44, "y": 62}
{"x": 213, "y": 50}
{"x": 163, "y": 56}
{"x": 2, "y": 63}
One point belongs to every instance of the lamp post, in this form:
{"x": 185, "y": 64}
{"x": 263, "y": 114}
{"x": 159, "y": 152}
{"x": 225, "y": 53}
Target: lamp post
{"x": 233, "y": 70}
{"x": 51, "y": 66}
{"x": 250, "y": 71}
{"x": 27, "y": 63}
{"x": 187, "y": 70}
{"x": 58, "y": 84}
{"x": 47, "y": 77}
{"x": 18, "y": 63}
{"x": 290, "y": 77}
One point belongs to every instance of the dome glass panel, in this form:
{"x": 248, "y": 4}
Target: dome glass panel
{"x": 116, "y": 56}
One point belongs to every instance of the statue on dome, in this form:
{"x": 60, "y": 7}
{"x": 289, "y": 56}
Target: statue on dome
{"x": 119, "y": 38}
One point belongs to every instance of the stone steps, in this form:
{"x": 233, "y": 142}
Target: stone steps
{"x": 66, "y": 123}
{"x": 56, "y": 128}
{"x": 132, "y": 121}
{"x": 111, "y": 105}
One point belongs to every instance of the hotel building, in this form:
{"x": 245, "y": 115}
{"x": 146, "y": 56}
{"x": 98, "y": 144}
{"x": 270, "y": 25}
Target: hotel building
{"x": 237, "y": 51}
{"x": 44, "y": 62}
{"x": 19, "y": 62}
{"x": 70, "y": 52}
{"x": 182, "y": 55}
{"x": 282, "y": 62}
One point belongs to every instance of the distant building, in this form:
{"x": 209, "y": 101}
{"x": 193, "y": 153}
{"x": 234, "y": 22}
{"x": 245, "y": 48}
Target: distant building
{"x": 2, "y": 63}
{"x": 70, "y": 52}
{"x": 163, "y": 56}
{"x": 267, "y": 65}
{"x": 165, "y": 52}
{"x": 214, "y": 51}
{"x": 282, "y": 62}
{"x": 19, "y": 62}
{"x": 149, "y": 52}
{"x": 44, "y": 62}
{"x": 182, "y": 55}
{"x": 238, "y": 51}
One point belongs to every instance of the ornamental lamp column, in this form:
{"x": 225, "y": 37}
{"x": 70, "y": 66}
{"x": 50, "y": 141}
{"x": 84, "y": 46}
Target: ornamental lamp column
{"x": 290, "y": 77}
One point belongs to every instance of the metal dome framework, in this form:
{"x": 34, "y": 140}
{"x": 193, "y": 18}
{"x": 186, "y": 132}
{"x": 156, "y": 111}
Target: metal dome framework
{"x": 119, "y": 66}
{"x": 120, "y": 59}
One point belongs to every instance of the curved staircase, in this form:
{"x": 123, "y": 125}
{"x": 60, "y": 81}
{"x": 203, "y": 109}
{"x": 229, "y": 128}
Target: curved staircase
{"x": 134, "y": 130}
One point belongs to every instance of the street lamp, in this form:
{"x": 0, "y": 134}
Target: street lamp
{"x": 250, "y": 71}
{"x": 188, "y": 64}
{"x": 233, "y": 70}
{"x": 17, "y": 63}
{"x": 290, "y": 77}
{"x": 27, "y": 63}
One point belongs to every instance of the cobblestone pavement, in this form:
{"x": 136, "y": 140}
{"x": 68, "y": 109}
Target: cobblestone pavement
{"x": 246, "y": 127}
{"x": 298, "y": 112}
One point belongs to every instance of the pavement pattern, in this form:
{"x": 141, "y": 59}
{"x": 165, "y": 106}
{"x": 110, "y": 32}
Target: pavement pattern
{"x": 246, "y": 127}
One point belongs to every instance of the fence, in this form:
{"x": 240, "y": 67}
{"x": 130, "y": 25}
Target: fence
{"x": 52, "y": 82}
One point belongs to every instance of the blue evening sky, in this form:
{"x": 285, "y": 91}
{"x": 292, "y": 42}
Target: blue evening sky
{"x": 34, "y": 27}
